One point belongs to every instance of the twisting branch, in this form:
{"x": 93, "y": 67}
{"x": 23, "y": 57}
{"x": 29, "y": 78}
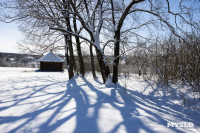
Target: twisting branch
{"x": 160, "y": 18}
{"x": 109, "y": 41}
{"x": 72, "y": 33}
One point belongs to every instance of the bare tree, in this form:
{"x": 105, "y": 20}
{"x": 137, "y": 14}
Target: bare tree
{"x": 78, "y": 47}
{"x": 37, "y": 16}
{"x": 121, "y": 19}
{"x": 155, "y": 12}
{"x": 92, "y": 23}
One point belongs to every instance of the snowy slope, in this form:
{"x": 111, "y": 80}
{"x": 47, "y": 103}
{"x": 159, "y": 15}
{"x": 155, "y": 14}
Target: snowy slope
{"x": 41, "y": 102}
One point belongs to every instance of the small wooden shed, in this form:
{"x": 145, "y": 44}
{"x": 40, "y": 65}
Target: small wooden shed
{"x": 51, "y": 62}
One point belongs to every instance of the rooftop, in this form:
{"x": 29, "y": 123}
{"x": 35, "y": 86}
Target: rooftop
{"x": 50, "y": 57}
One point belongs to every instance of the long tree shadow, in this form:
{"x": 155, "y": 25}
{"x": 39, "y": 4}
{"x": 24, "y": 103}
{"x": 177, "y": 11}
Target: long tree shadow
{"x": 82, "y": 101}
{"x": 158, "y": 111}
{"x": 126, "y": 110}
{"x": 83, "y": 118}
{"x": 164, "y": 100}
{"x": 134, "y": 106}
{"x": 30, "y": 116}
{"x": 85, "y": 121}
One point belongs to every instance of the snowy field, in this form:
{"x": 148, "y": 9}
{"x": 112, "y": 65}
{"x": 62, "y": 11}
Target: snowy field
{"x": 43, "y": 102}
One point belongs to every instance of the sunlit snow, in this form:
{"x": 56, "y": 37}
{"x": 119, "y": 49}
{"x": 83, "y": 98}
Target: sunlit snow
{"x": 43, "y": 102}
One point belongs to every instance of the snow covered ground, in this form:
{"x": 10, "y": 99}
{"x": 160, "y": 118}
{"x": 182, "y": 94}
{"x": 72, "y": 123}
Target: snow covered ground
{"x": 43, "y": 102}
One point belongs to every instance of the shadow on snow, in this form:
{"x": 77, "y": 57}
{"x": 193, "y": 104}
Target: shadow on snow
{"x": 133, "y": 103}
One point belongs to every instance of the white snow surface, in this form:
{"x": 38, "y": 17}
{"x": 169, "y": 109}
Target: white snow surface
{"x": 51, "y": 57}
{"x": 43, "y": 102}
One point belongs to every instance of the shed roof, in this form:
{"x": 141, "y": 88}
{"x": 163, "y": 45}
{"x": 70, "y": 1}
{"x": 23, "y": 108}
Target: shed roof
{"x": 50, "y": 57}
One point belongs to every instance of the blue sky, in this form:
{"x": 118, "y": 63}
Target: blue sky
{"x": 9, "y": 36}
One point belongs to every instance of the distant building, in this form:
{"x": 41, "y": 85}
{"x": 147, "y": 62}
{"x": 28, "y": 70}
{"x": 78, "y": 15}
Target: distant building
{"x": 18, "y": 60}
{"x": 51, "y": 62}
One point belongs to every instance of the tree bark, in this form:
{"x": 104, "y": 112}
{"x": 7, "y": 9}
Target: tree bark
{"x": 70, "y": 65}
{"x": 117, "y": 36}
{"x": 116, "y": 58}
{"x": 80, "y": 57}
{"x": 66, "y": 52}
{"x": 78, "y": 46}
{"x": 68, "y": 37}
{"x": 92, "y": 62}
{"x": 104, "y": 68}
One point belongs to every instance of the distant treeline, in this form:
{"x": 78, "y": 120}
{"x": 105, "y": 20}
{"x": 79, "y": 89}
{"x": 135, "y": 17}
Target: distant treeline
{"x": 18, "y": 60}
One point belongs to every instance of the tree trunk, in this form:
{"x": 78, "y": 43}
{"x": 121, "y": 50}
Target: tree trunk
{"x": 117, "y": 37}
{"x": 69, "y": 43}
{"x": 92, "y": 62}
{"x": 75, "y": 68}
{"x": 66, "y": 52}
{"x": 116, "y": 58}
{"x": 80, "y": 57}
{"x": 105, "y": 72}
{"x": 71, "y": 57}
{"x": 78, "y": 46}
